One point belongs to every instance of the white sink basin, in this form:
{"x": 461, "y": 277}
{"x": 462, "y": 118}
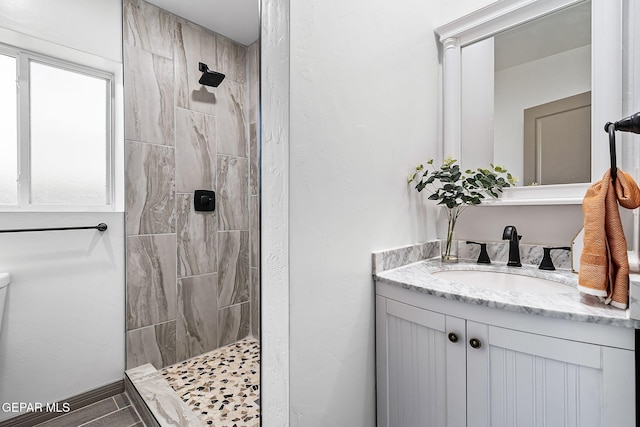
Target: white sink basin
{"x": 504, "y": 281}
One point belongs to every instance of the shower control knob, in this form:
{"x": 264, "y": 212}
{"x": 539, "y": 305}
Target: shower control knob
{"x": 453, "y": 337}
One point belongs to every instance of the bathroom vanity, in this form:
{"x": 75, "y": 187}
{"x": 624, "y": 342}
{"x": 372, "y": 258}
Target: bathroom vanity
{"x": 481, "y": 354}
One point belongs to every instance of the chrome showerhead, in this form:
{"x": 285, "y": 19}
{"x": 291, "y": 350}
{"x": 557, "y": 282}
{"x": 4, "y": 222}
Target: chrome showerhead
{"x": 209, "y": 78}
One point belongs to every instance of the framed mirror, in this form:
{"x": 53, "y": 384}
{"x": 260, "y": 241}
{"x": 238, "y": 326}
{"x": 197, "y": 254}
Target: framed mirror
{"x": 557, "y": 64}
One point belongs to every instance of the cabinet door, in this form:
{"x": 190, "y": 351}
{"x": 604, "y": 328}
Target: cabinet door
{"x": 412, "y": 365}
{"x": 518, "y": 379}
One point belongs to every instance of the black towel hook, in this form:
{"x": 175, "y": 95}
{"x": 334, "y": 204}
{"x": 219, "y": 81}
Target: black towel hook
{"x": 628, "y": 124}
{"x": 611, "y": 129}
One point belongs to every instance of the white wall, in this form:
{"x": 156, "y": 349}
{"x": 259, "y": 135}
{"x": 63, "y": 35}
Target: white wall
{"x": 364, "y": 111}
{"x": 547, "y": 79}
{"x": 364, "y": 104}
{"x": 92, "y": 26}
{"x": 63, "y": 328}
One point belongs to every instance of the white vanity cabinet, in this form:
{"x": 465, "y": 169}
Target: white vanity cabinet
{"x": 448, "y": 363}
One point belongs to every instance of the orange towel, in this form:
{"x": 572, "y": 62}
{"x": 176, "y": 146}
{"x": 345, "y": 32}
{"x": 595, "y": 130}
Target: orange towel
{"x": 604, "y": 266}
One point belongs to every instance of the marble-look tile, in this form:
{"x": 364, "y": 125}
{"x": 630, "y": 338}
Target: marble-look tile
{"x": 231, "y": 59}
{"x": 233, "y": 323}
{"x": 253, "y": 80}
{"x": 233, "y": 267}
{"x": 529, "y": 254}
{"x": 151, "y": 280}
{"x": 197, "y": 239}
{"x": 231, "y": 119}
{"x": 148, "y": 27}
{"x": 397, "y": 257}
{"x": 197, "y": 315}
{"x": 154, "y": 344}
{"x": 254, "y": 166}
{"x": 232, "y": 198}
{"x": 194, "y": 44}
{"x": 254, "y": 230}
{"x": 195, "y": 151}
{"x": 163, "y": 402}
{"x": 150, "y": 189}
{"x": 148, "y": 97}
{"x": 255, "y": 302}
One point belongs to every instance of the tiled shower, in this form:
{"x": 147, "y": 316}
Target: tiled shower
{"x": 192, "y": 277}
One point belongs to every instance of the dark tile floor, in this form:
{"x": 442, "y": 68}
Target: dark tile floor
{"x": 115, "y": 411}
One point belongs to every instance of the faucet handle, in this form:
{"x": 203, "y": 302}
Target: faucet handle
{"x": 484, "y": 256}
{"x": 546, "y": 263}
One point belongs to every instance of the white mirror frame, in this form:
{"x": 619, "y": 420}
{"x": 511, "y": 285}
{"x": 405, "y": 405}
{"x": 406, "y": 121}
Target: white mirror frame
{"x": 606, "y": 82}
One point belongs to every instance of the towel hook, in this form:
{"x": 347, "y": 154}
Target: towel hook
{"x": 628, "y": 124}
{"x": 611, "y": 129}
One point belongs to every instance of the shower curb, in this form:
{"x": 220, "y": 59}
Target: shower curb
{"x": 160, "y": 400}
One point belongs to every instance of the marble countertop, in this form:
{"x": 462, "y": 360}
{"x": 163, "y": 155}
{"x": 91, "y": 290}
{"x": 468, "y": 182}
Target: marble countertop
{"x": 570, "y": 305}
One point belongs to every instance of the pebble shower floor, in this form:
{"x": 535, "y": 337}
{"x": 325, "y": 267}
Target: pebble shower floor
{"x": 222, "y": 386}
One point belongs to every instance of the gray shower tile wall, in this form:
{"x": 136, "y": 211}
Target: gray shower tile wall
{"x": 233, "y": 322}
{"x": 154, "y": 344}
{"x": 151, "y": 279}
{"x": 233, "y": 210}
{"x": 150, "y": 189}
{"x": 231, "y": 119}
{"x": 148, "y": 27}
{"x": 193, "y": 279}
{"x": 195, "y": 151}
{"x": 197, "y": 323}
{"x": 253, "y": 77}
{"x": 194, "y": 44}
{"x": 149, "y": 114}
{"x": 233, "y": 267}
{"x": 197, "y": 239}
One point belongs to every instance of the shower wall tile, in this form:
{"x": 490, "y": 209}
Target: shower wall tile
{"x": 197, "y": 239}
{"x": 254, "y": 230}
{"x": 253, "y": 80}
{"x": 151, "y": 280}
{"x": 232, "y": 203}
{"x": 154, "y": 344}
{"x": 233, "y": 323}
{"x": 254, "y": 166}
{"x": 231, "y": 59}
{"x": 195, "y": 151}
{"x": 192, "y": 45}
{"x": 233, "y": 268}
{"x": 149, "y": 97}
{"x": 255, "y": 302}
{"x": 148, "y": 27}
{"x": 150, "y": 188}
{"x": 231, "y": 119}
{"x": 197, "y": 315}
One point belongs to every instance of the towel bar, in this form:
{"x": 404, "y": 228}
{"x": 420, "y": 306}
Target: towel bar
{"x": 100, "y": 227}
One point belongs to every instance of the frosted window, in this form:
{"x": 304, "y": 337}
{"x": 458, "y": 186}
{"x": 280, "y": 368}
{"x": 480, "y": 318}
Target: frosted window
{"x": 69, "y": 137}
{"x": 8, "y": 132}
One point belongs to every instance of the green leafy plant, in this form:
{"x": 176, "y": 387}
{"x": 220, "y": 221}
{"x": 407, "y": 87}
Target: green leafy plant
{"x": 456, "y": 190}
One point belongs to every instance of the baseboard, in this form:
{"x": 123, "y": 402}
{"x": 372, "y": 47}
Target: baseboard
{"x": 76, "y": 402}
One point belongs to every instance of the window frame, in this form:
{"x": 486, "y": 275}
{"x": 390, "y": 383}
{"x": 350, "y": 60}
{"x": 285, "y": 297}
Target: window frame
{"x": 24, "y": 58}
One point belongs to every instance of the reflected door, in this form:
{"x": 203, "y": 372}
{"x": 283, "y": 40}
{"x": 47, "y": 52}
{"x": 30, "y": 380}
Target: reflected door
{"x": 558, "y": 141}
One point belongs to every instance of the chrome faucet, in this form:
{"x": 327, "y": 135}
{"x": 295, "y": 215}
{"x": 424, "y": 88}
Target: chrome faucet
{"x": 511, "y": 234}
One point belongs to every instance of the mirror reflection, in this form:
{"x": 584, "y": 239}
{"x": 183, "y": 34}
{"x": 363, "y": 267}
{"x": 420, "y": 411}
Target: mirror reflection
{"x": 525, "y": 99}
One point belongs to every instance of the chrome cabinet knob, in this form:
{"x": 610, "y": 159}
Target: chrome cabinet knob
{"x": 453, "y": 337}
{"x": 475, "y": 343}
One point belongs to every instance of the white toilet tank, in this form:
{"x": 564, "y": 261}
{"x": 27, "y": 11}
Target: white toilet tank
{"x": 5, "y": 279}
